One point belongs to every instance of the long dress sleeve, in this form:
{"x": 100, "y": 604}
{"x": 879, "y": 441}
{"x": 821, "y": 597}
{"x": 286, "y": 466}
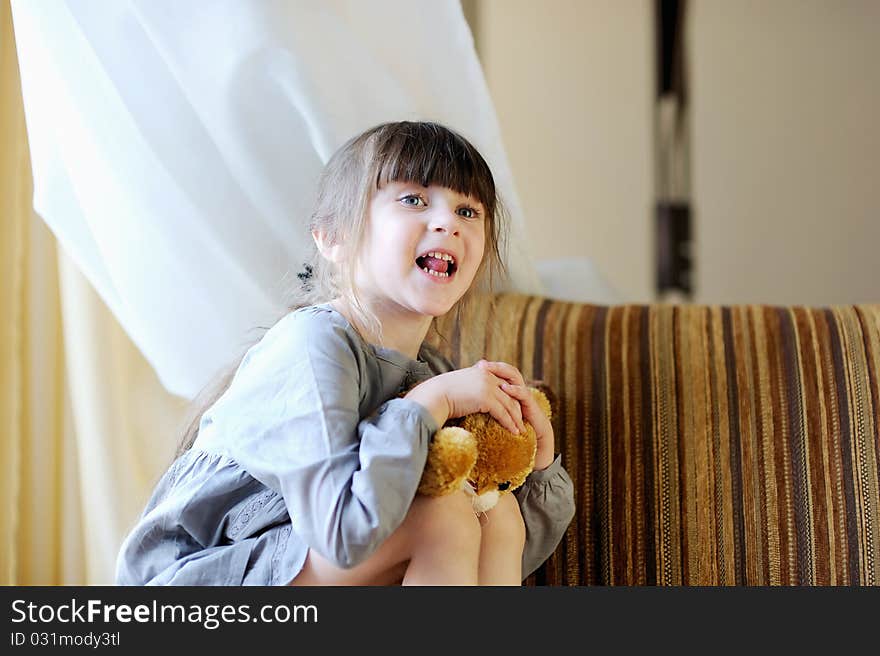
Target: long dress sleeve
{"x": 546, "y": 501}
{"x": 292, "y": 420}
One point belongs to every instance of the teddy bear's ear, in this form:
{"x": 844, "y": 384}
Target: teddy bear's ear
{"x": 548, "y": 392}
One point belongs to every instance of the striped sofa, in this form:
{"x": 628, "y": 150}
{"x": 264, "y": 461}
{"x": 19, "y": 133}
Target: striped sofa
{"x": 708, "y": 445}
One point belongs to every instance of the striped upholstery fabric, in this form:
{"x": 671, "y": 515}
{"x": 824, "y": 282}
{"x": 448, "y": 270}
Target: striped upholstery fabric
{"x": 708, "y": 445}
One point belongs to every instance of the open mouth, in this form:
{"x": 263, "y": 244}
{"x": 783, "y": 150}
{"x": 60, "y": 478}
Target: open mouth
{"x": 435, "y": 263}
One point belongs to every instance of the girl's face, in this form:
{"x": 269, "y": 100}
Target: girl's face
{"x": 422, "y": 247}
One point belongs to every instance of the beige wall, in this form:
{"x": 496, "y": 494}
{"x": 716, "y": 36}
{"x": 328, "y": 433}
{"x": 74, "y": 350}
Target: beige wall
{"x": 786, "y": 156}
{"x": 571, "y": 82}
{"x": 785, "y": 99}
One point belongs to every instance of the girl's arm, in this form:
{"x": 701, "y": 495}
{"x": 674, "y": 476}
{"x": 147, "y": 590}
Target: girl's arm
{"x": 291, "y": 419}
{"x": 546, "y": 501}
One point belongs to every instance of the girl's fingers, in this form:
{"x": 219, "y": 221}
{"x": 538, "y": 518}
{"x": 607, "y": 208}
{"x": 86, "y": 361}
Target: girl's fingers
{"x": 503, "y": 416}
{"x": 526, "y": 401}
{"x": 503, "y": 370}
{"x": 510, "y": 404}
{"x": 513, "y": 409}
{"x": 533, "y": 414}
{"x": 508, "y": 413}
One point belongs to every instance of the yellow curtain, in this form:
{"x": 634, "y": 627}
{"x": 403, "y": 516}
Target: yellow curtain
{"x": 85, "y": 426}
{"x": 31, "y": 362}
{"x": 13, "y": 186}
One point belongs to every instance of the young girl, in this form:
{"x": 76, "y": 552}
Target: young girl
{"x": 304, "y": 471}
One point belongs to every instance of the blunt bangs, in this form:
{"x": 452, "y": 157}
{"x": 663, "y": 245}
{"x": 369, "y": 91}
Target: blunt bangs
{"x": 430, "y": 154}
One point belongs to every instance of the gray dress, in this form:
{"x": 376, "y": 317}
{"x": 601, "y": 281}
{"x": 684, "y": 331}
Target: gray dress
{"x": 310, "y": 447}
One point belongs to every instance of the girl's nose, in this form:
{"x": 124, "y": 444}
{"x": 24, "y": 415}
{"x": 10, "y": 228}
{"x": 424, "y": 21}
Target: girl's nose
{"x": 445, "y": 221}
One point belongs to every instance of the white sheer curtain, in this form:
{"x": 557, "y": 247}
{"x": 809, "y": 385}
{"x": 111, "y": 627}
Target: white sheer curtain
{"x": 176, "y": 145}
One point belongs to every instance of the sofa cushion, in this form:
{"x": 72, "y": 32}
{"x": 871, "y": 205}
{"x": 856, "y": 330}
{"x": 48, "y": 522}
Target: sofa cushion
{"x": 708, "y": 445}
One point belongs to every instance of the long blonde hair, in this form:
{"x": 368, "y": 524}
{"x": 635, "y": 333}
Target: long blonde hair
{"x": 405, "y": 151}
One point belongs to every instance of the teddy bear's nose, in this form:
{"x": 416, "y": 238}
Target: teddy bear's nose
{"x": 504, "y": 486}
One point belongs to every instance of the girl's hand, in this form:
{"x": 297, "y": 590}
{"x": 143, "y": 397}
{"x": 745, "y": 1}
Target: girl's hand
{"x": 503, "y": 370}
{"x": 465, "y": 391}
{"x": 533, "y": 414}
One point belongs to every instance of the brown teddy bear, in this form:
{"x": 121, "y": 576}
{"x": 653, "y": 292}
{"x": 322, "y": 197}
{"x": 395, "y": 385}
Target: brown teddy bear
{"x": 477, "y": 454}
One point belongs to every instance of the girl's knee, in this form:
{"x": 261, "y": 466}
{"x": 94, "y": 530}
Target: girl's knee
{"x": 506, "y": 521}
{"x": 447, "y": 518}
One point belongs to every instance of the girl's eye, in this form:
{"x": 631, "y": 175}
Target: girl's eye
{"x": 412, "y": 200}
{"x": 468, "y": 212}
